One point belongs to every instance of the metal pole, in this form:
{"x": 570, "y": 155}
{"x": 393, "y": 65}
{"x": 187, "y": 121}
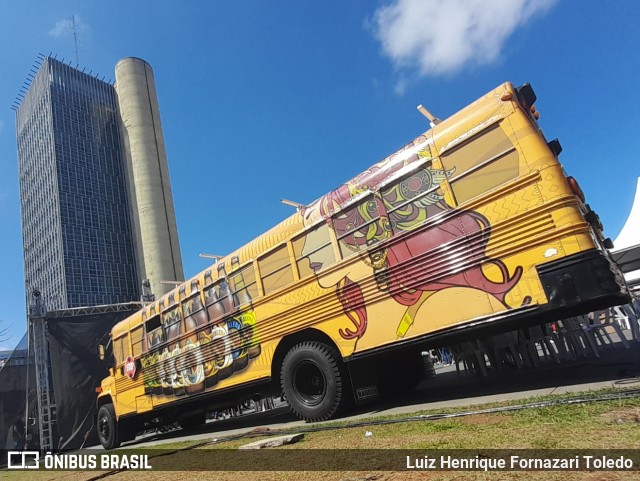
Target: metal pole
{"x": 26, "y": 401}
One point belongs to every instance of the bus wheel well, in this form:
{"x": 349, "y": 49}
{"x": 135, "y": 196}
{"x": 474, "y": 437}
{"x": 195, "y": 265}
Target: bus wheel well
{"x": 103, "y": 400}
{"x": 287, "y": 343}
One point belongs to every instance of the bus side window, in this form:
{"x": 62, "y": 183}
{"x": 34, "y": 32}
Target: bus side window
{"x": 358, "y": 226}
{"x": 120, "y": 350}
{"x": 193, "y": 312}
{"x": 243, "y": 286}
{"x": 407, "y": 199}
{"x": 275, "y": 269}
{"x": 136, "y": 341}
{"x": 482, "y": 163}
{"x": 217, "y": 300}
{"x": 313, "y": 250}
{"x": 155, "y": 334}
{"x": 171, "y": 319}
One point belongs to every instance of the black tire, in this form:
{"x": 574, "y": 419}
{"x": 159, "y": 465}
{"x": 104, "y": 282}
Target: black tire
{"x": 108, "y": 427}
{"x": 314, "y": 381}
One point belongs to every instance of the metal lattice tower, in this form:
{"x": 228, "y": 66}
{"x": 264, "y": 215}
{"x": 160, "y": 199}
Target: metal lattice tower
{"x": 46, "y": 404}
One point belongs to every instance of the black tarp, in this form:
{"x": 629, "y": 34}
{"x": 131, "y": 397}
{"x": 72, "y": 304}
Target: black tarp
{"x": 13, "y": 384}
{"x": 76, "y": 371}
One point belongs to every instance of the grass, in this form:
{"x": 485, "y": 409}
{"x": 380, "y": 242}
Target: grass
{"x": 488, "y": 429}
{"x": 611, "y": 424}
{"x": 575, "y": 426}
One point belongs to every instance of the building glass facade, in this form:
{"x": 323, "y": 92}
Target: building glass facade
{"x": 77, "y": 233}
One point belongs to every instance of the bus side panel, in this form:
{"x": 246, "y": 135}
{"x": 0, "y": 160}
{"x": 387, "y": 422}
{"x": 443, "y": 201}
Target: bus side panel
{"x": 127, "y": 392}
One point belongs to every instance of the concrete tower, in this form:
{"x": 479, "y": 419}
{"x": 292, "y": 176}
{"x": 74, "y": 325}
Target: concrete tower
{"x": 153, "y": 214}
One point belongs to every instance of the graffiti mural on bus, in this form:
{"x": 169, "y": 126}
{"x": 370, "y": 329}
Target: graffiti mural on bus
{"x": 223, "y": 340}
{"x": 390, "y": 224}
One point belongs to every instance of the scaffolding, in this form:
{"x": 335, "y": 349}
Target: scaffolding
{"x": 39, "y": 347}
{"x": 83, "y": 311}
{"x": 39, "y": 344}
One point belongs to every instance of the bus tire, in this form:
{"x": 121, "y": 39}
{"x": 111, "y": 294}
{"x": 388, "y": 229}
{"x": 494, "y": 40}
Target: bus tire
{"x": 314, "y": 381}
{"x": 108, "y": 427}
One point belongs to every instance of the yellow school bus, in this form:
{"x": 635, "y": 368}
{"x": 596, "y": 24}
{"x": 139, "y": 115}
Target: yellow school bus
{"x": 472, "y": 227}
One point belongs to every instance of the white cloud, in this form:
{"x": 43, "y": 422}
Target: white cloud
{"x": 65, "y": 26}
{"x": 401, "y": 85}
{"x": 440, "y": 37}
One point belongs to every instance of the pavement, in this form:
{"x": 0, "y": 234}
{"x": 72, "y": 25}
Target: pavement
{"x": 616, "y": 367}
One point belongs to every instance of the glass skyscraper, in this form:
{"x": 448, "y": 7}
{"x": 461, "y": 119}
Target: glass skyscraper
{"x": 79, "y": 246}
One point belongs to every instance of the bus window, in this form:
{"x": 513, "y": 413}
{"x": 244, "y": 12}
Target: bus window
{"x": 171, "y": 319}
{"x": 193, "y": 312}
{"x": 120, "y": 350}
{"x": 275, "y": 269}
{"x": 313, "y": 250}
{"x": 243, "y": 286}
{"x": 155, "y": 334}
{"x": 406, "y": 200}
{"x": 359, "y": 225}
{"x": 217, "y": 300}
{"x": 481, "y": 164}
{"x": 136, "y": 341}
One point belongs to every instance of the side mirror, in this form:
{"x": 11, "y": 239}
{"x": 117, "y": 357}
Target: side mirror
{"x": 101, "y": 352}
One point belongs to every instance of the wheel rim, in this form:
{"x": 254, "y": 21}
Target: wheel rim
{"x": 103, "y": 428}
{"x": 309, "y": 383}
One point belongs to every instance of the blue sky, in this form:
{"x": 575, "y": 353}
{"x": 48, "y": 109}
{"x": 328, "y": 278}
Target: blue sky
{"x": 263, "y": 100}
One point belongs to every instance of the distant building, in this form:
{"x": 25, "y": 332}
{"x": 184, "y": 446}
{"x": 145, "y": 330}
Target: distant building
{"x": 626, "y": 250}
{"x": 13, "y": 358}
{"x": 82, "y": 245}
